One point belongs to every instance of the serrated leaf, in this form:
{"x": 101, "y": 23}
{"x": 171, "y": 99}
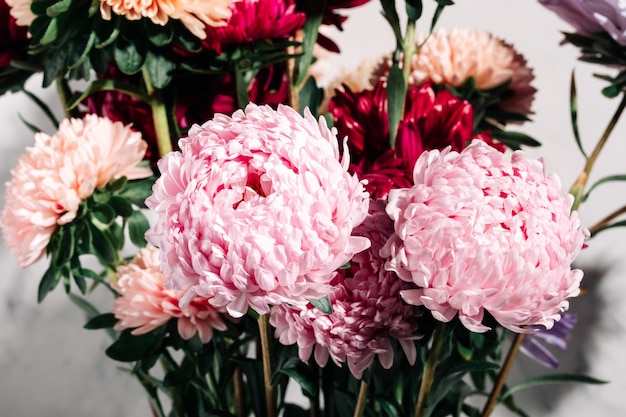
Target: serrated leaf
{"x": 137, "y": 226}
{"x": 550, "y": 379}
{"x": 322, "y": 304}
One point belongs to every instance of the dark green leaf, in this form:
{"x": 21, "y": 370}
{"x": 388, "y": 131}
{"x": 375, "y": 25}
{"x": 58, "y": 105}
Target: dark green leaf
{"x": 102, "y": 246}
{"x": 322, "y": 304}
{"x": 550, "y": 379}
{"x": 573, "y": 107}
{"x": 130, "y": 57}
{"x": 137, "y": 191}
{"x": 391, "y": 15}
{"x": 304, "y": 377}
{"x": 159, "y": 69}
{"x": 137, "y": 227}
{"x": 48, "y": 282}
{"x": 609, "y": 226}
{"x": 314, "y": 13}
{"x": 311, "y": 96}
{"x": 104, "y": 214}
{"x": 414, "y": 9}
{"x": 121, "y": 206}
{"x": 107, "y": 85}
{"x": 610, "y": 178}
{"x": 129, "y": 348}
{"x": 396, "y": 95}
{"x": 50, "y": 35}
{"x": 42, "y": 106}
{"x": 102, "y": 321}
{"x": 58, "y": 8}
{"x": 29, "y": 125}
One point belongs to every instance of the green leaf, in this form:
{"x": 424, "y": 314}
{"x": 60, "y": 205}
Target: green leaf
{"x": 48, "y": 282}
{"x": 107, "y": 85}
{"x": 103, "y": 214}
{"x": 304, "y": 377}
{"x": 609, "y": 226}
{"x": 51, "y": 33}
{"x": 550, "y": 379}
{"x": 322, "y": 304}
{"x": 121, "y": 206}
{"x": 514, "y": 139}
{"x": 573, "y": 108}
{"x": 395, "y": 95}
{"x": 159, "y": 69}
{"x": 441, "y": 4}
{"x": 29, "y": 125}
{"x": 42, "y": 106}
{"x": 129, "y": 57}
{"x": 58, "y": 8}
{"x": 311, "y": 96}
{"x": 391, "y": 15}
{"x": 137, "y": 227}
{"x": 610, "y": 178}
{"x": 137, "y": 191}
{"x": 101, "y": 321}
{"x": 314, "y": 10}
{"x": 129, "y": 348}
{"x": 414, "y": 9}
{"x": 102, "y": 246}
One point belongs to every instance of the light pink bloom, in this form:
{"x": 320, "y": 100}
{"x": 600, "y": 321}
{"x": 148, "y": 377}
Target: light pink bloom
{"x": 367, "y": 311}
{"x": 480, "y": 232}
{"x": 20, "y": 10}
{"x": 146, "y": 304}
{"x": 258, "y": 209}
{"x": 58, "y": 172}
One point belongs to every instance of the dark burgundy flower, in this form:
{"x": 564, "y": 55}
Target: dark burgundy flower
{"x": 13, "y": 38}
{"x": 432, "y": 120}
{"x": 254, "y": 20}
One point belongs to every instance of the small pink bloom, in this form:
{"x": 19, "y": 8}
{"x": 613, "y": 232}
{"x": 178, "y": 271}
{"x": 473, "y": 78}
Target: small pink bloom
{"x": 480, "y": 232}
{"x": 145, "y": 303}
{"x": 258, "y": 209}
{"x": 367, "y": 307}
{"x": 58, "y": 172}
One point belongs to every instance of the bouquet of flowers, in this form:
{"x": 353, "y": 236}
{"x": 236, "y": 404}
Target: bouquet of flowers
{"x": 377, "y": 239}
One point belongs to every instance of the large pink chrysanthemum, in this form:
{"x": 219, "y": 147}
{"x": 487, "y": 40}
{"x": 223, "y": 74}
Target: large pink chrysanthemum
{"x": 452, "y": 57}
{"x": 194, "y": 14}
{"x": 146, "y": 304}
{"x": 258, "y": 209}
{"x": 254, "y": 20}
{"x": 367, "y": 310}
{"x": 479, "y": 232}
{"x": 58, "y": 172}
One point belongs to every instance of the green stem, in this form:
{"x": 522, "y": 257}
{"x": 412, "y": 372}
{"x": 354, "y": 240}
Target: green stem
{"x": 578, "y": 188}
{"x": 361, "y": 400}
{"x": 504, "y": 372}
{"x": 238, "y": 386}
{"x": 63, "y": 89}
{"x": 264, "y": 331}
{"x": 408, "y": 50}
{"x": 607, "y": 220}
{"x": 429, "y": 369}
{"x": 159, "y": 115}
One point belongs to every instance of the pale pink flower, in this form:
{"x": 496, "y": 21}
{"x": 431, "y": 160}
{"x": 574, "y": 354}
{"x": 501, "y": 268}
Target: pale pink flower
{"x": 453, "y": 56}
{"x": 145, "y": 303}
{"x": 194, "y": 14}
{"x": 367, "y": 310}
{"x": 480, "y": 232}
{"x": 58, "y": 172}
{"x": 20, "y": 10}
{"x": 258, "y": 209}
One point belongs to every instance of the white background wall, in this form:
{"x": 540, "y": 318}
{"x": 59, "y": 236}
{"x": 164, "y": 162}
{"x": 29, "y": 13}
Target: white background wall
{"x": 50, "y": 366}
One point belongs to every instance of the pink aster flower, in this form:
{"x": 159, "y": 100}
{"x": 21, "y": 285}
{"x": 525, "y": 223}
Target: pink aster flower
{"x": 258, "y": 209}
{"x": 145, "y": 303}
{"x": 58, "y": 172}
{"x": 20, "y": 10}
{"x": 367, "y": 310}
{"x": 279, "y": 20}
{"x": 480, "y": 232}
{"x": 452, "y": 57}
{"x": 194, "y": 14}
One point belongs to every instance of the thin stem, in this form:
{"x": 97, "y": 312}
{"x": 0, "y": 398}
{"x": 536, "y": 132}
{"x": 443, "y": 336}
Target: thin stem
{"x": 504, "y": 372}
{"x": 429, "y": 369}
{"x": 408, "y": 50}
{"x": 604, "y": 222}
{"x": 314, "y": 410}
{"x": 578, "y": 188}
{"x": 63, "y": 89}
{"x": 240, "y": 403}
{"x": 264, "y": 331}
{"x": 361, "y": 400}
{"x": 159, "y": 115}
{"x": 294, "y": 90}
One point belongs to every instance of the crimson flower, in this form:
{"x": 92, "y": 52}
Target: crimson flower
{"x": 280, "y": 20}
{"x": 13, "y": 38}
{"x": 432, "y": 120}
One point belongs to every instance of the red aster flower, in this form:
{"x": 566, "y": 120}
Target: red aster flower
{"x": 13, "y": 38}
{"x": 432, "y": 120}
{"x": 254, "y": 20}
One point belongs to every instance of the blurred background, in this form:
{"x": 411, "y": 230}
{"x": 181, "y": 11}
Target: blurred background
{"x": 50, "y": 366}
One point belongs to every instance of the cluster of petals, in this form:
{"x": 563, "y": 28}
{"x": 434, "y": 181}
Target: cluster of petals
{"x": 58, "y": 172}
{"x": 534, "y": 344}
{"x": 254, "y": 20}
{"x": 20, "y": 11}
{"x": 194, "y": 14}
{"x": 590, "y": 17}
{"x": 481, "y": 232}
{"x": 453, "y": 56}
{"x": 13, "y": 37}
{"x": 367, "y": 310}
{"x": 258, "y": 209}
{"x": 145, "y": 303}
{"x": 432, "y": 120}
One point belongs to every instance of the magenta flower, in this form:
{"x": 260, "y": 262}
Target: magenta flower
{"x": 145, "y": 303}
{"x": 278, "y": 20}
{"x": 479, "y": 232}
{"x": 257, "y": 210}
{"x": 58, "y": 172}
{"x": 367, "y": 310}
{"x": 589, "y": 17}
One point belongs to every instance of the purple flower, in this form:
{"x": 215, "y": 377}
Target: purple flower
{"x": 532, "y": 345}
{"x": 592, "y": 16}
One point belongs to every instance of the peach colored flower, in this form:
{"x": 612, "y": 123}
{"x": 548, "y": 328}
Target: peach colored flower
{"x": 452, "y": 57}
{"x": 194, "y": 14}
{"x": 478, "y": 232}
{"x": 258, "y": 209}
{"x": 20, "y": 10}
{"x": 58, "y": 172}
{"x": 145, "y": 302}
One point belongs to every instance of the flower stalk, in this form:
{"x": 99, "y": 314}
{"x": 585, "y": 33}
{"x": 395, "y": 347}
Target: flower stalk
{"x": 361, "y": 399}
{"x": 264, "y": 331}
{"x": 159, "y": 115}
{"x": 429, "y": 370}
